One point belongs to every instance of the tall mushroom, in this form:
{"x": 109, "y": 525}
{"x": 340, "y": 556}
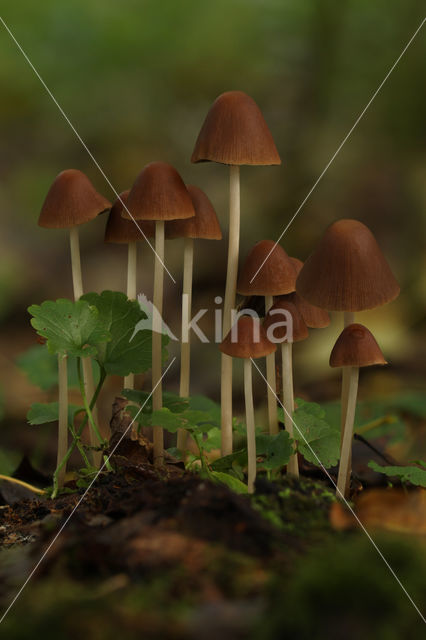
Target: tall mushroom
{"x": 355, "y": 347}
{"x": 121, "y": 231}
{"x": 347, "y": 272}
{"x": 204, "y": 225}
{"x": 247, "y": 339}
{"x": 158, "y": 194}
{"x": 277, "y": 331}
{"x": 233, "y": 133}
{"x": 71, "y": 201}
{"x": 276, "y": 277}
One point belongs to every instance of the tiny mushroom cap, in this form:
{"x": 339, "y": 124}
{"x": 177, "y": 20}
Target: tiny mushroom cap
{"x": 356, "y": 347}
{"x": 159, "y": 193}
{"x": 347, "y": 271}
{"x": 122, "y": 231}
{"x": 203, "y": 225}
{"x": 296, "y": 332}
{"x": 71, "y": 200}
{"x": 277, "y": 275}
{"x": 235, "y": 133}
{"x": 247, "y": 339}
{"x": 314, "y": 317}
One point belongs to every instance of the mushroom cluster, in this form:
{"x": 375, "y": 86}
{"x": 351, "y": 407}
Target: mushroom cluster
{"x": 346, "y": 273}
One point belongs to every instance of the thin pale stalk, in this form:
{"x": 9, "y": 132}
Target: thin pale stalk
{"x": 157, "y": 395}
{"x": 272, "y": 382}
{"x": 288, "y": 400}
{"x": 129, "y": 381}
{"x": 63, "y": 416}
{"x": 343, "y": 479}
{"x": 251, "y": 433}
{"x": 185, "y": 347}
{"x": 348, "y": 318}
{"x": 229, "y": 304}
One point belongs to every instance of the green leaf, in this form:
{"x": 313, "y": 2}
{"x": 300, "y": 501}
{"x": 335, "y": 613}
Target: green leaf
{"x": 317, "y": 441}
{"x": 415, "y": 475}
{"x": 325, "y": 450}
{"x": 168, "y": 420}
{"x": 124, "y": 353}
{"x": 69, "y": 327}
{"x": 230, "y": 481}
{"x": 213, "y": 439}
{"x": 171, "y": 401}
{"x": 275, "y": 450}
{"x": 202, "y": 403}
{"x": 226, "y": 463}
{"x": 42, "y": 413}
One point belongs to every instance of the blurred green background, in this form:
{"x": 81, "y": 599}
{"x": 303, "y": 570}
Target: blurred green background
{"x": 136, "y": 78}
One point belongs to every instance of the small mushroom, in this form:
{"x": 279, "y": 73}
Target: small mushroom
{"x": 121, "y": 231}
{"x": 247, "y": 339}
{"x": 204, "y": 225}
{"x": 275, "y": 278}
{"x": 278, "y": 332}
{"x": 233, "y": 133}
{"x": 71, "y": 201}
{"x": 158, "y": 194}
{"x": 355, "y": 347}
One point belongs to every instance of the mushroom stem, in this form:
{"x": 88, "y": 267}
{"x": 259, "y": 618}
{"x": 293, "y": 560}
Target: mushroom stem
{"x": 288, "y": 400}
{"x": 251, "y": 434}
{"x": 129, "y": 381}
{"x": 185, "y": 348}
{"x": 272, "y": 382}
{"x": 348, "y": 318}
{"x": 343, "y": 479}
{"x": 157, "y": 393}
{"x": 229, "y": 304}
{"x": 77, "y": 282}
{"x": 63, "y": 416}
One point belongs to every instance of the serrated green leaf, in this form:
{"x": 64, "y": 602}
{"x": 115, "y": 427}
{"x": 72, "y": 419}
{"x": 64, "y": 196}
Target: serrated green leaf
{"x": 119, "y": 316}
{"x": 415, "y": 475}
{"x": 42, "y": 413}
{"x": 230, "y": 481}
{"x": 213, "y": 439}
{"x": 317, "y": 440}
{"x": 309, "y": 423}
{"x": 324, "y": 451}
{"x": 164, "y": 418}
{"x": 69, "y": 327}
{"x": 276, "y": 450}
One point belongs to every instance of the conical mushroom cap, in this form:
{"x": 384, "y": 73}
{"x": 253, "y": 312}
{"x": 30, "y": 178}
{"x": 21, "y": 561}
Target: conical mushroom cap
{"x": 71, "y": 200}
{"x": 235, "y": 132}
{"x": 276, "y": 277}
{"x": 356, "y": 347}
{"x": 314, "y": 317}
{"x": 203, "y": 225}
{"x": 347, "y": 271}
{"x": 123, "y": 231}
{"x": 246, "y": 331}
{"x": 159, "y": 193}
{"x": 296, "y": 333}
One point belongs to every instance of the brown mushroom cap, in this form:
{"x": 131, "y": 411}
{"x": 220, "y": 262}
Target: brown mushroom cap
{"x": 276, "y": 277}
{"x": 356, "y": 347}
{"x": 300, "y": 330}
{"x": 314, "y": 317}
{"x": 235, "y": 132}
{"x": 203, "y": 225}
{"x": 159, "y": 193}
{"x": 123, "y": 231}
{"x": 246, "y": 346}
{"x": 71, "y": 200}
{"x": 347, "y": 271}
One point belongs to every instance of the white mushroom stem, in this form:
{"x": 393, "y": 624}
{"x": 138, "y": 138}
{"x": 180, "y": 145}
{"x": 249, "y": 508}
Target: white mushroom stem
{"x": 272, "y": 382}
{"x": 157, "y": 393}
{"x": 129, "y": 381}
{"x": 348, "y": 318}
{"x": 343, "y": 479}
{"x": 185, "y": 347}
{"x": 229, "y": 304}
{"x": 89, "y": 387}
{"x": 288, "y": 401}
{"x": 251, "y": 434}
{"x": 63, "y": 416}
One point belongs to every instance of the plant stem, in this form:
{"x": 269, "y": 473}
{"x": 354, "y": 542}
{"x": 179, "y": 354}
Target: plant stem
{"x": 251, "y": 433}
{"x": 157, "y": 394}
{"x": 288, "y": 400}
{"x": 185, "y": 347}
{"x": 63, "y": 415}
{"x": 86, "y": 404}
{"x": 129, "y": 381}
{"x": 229, "y": 304}
{"x": 272, "y": 382}
{"x": 343, "y": 479}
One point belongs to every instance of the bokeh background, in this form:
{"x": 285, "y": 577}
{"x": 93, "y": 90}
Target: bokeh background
{"x": 136, "y": 79}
